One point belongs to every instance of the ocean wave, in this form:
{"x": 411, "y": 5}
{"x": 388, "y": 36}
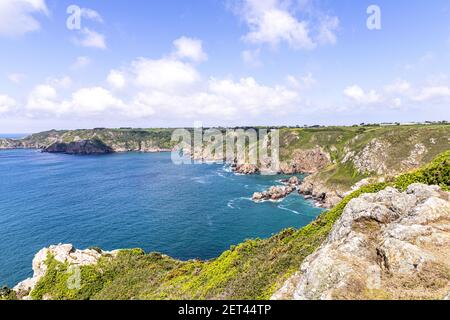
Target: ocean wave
{"x": 287, "y": 209}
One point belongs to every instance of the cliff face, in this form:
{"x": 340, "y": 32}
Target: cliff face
{"x": 388, "y": 245}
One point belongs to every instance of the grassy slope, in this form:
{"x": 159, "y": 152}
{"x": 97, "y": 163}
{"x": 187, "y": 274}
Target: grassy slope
{"x": 253, "y": 270}
{"x": 337, "y": 140}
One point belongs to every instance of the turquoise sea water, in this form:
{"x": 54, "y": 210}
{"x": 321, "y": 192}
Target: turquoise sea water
{"x": 127, "y": 201}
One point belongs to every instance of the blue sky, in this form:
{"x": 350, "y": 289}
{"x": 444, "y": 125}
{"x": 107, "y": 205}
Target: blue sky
{"x": 147, "y": 63}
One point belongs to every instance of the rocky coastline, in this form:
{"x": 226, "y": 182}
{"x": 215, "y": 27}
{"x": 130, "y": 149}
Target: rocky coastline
{"x": 388, "y": 245}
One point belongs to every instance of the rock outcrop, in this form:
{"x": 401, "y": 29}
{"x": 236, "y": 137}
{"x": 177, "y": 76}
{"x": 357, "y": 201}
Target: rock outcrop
{"x": 246, "y": 169}
{"x": 388, "y": 245}
{"x": 306, "y": 161}
{"x": 275, "y": 193}
{"x": 8, "y": 144}
{"x": 82, "y": 147}
{"x": 64, "y": 253}
{"x": 324, "y": 195}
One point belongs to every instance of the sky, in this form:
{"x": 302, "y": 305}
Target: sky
{"x": 177, "y": 63}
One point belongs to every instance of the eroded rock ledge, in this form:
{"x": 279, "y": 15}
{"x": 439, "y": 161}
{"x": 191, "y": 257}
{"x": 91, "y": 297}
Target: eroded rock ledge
{"x": 64, "y": 253}
{"x": 389, "y": 245}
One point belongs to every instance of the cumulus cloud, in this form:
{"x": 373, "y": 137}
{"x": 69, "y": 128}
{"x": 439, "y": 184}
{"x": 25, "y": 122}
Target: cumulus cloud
{"x": 164, "y": 74}
{"x": 116, "y": 79}
{"x": 358, "y": 95}
{"x": 304, "y": 82}
{"x": 252, "y": 58}
{"x": 81, "y": 62}
{"x": 16, "y": 78}
{"x": 17, "y": 17}
{"x": 94, "y": 100}
{"x": 433, "y": 93}
{"x": 400, "y": 94}
{"x": 275, "y": 21}
{"x": 91, "y": 39}
{"x": 189, "y": 48}
{"x": 91, "y": 14}
{"x": 7, "y": 104}
{"x": 44, "y": 98}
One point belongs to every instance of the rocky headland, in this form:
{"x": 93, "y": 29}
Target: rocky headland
{"x": 81, "y": 147}
{"x": 387, "y": 245}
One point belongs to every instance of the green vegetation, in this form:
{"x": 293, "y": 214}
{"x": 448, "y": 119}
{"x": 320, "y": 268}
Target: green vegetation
{"x": 7, "y": 294}
{"x": 399, "y": 144}
{"x": 254, "y": 269}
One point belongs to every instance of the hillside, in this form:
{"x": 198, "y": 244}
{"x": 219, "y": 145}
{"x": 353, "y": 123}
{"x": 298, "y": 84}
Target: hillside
{"x": 255, "y": 269}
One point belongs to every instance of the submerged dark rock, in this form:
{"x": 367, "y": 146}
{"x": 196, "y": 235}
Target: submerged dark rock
{"x": 82, "y": 147}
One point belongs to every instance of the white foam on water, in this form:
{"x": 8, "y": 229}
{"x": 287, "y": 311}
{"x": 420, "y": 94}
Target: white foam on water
{"x": 287, "y": 209}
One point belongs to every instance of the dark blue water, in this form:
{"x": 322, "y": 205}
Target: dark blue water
{"x": 127, "y": 201}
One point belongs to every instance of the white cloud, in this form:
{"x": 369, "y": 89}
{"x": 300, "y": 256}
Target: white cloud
{"x": 167, "y": 89}
{"x": 274, "y": 21}
{"x": 17, "y": 16}
{"x": 91, "y": 15}
{"x": 44, "y": 98}
{"x": 251, "y": 58}
{"x": 327, "y": 30}
{"x": 304, "y": 82}
{"x": 358, "y": 95}
{"x": 189, "y": 48}
{"x": 94, "y": 100}
{"x": 401, "y": 87}
{"x": 16, "y": 78}
{"x": 433, "y": 93}
{"x": 64, "y": 82}
{"x": 91, "y": 39}
{"x": 116, "y": 79}
{"x": 164, "y": 74}
{"x": 81, "y": 62}
{"x": 6, "y": 104}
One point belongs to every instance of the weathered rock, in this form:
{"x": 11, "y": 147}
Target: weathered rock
{"x": 388, "y": 245}
{"x": 372, "y": 159}
{"x": 246, "y": 169}
{"x": 82, "y": 147}
{"x": 292, "y": 181}
{"x": 326, "y": 196}
{"x": 275, "y": 193}
{"x": 306, "y": 161}
{"x": 9, "y": 144}
{"x": 64, "y": 253}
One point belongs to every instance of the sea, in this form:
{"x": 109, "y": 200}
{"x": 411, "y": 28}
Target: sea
{"x": 131, "y": 200}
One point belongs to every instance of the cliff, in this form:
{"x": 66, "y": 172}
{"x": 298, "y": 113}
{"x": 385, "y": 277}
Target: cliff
{"x": 387, "y": 245}
{"x": 404, "y": 218}
{"x": 118, "y": 140}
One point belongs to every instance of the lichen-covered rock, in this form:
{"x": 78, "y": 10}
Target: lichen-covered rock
{"x": 64, "y": 253}
{"x": 388, "y": 245}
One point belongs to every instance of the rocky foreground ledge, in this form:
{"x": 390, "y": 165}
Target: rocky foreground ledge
{"x": 64, "y": 253}
{"x": 388, "y": 245}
